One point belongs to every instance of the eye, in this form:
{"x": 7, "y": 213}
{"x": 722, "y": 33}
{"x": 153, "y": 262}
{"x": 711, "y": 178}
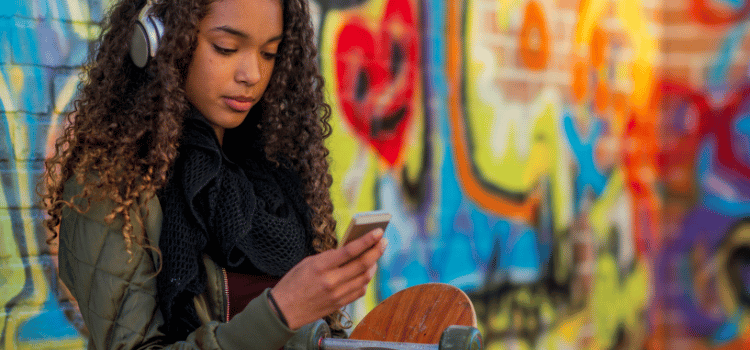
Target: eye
{"x": 270, "y": 56}
{"x": 224, "y": 51}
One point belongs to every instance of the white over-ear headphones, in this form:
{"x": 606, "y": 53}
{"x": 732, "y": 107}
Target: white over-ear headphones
{"x": 146, "y": 35}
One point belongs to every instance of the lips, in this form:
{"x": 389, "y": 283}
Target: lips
{"x": 239, "y": 103}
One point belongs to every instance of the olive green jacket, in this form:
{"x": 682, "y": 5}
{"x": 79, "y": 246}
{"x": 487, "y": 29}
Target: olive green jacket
{"x": 116, "y": 293}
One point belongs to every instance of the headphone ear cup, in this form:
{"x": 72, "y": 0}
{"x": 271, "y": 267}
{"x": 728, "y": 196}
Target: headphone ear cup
{"x": 139, "y": 46}
{"x": 146, "y": 35}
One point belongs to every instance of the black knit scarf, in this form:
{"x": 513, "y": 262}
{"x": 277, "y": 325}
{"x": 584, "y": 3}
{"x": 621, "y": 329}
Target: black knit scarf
{"x": 247, "y": 214}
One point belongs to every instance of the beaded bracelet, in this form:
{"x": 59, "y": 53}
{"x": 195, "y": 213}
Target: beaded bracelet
{"x": 278, "y": 310}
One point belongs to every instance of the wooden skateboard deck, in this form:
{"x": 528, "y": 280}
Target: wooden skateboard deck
{"x": 417, "y": 314}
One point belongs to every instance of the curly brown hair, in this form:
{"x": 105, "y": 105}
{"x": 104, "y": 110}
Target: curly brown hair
{"x": 121, "y": 140}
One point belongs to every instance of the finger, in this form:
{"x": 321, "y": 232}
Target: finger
{"x": 355, "y": 248}
{"x": 364, "y": 262}
{"x": 357, "y": 287}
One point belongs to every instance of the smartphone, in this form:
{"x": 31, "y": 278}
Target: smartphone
{"x": 365, "y": 222}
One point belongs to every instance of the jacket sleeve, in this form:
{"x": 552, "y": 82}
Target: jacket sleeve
{"x": 117, "y": 296}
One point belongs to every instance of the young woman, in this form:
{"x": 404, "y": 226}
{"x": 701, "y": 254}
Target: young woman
{"x": 191, "y": 195}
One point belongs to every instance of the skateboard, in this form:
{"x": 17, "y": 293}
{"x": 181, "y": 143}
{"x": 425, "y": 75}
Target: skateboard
{"x": 431, "y": 316}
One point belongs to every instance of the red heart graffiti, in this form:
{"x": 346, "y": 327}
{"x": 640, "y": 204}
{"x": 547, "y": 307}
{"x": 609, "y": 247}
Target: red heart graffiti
{"x": 376, "y": 74}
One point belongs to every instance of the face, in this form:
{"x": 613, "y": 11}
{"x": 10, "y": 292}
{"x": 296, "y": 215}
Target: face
{"x": 234, "y": 59}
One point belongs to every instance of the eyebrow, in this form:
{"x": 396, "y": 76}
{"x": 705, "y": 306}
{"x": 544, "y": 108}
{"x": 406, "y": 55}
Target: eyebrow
{"x": 239, "y": 33}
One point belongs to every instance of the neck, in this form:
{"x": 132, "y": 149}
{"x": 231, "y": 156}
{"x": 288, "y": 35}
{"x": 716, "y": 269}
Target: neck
{"x": 219, "y": 134}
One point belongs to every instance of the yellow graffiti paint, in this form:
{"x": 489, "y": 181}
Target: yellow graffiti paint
{"x": 515, "y": 146}
{"x": 506, "y": 170}
{"x": 605, "y": 300}
{"x": 78, "y": 10}
{"x": 645, "y": 48}
{"x": 15, "y": 277}
{"x": 591, "y": 13}
{"x": 495, "y": 345}
{"x": 502, "y": 319}
{"x": 353, "y": 163}
{"x": 33, "y": 304}
{"x": 570, "y": 329}
{"x": 24, "y": 181}
{"x": 503, "y": 10}
{"x": 637, "y": 291}
{"x": 415, "y": 136}
{"x": 5, "y": 94}
{"x": 80, "y": 15}
{"x": 61, "y": 344}
{"x": 613, "y": 302}
{"x": 66, "y": 94}
{"x": 12, "y": 276}
{"x": 352, "y": 167}
{"x": 599, "y": 216}
{"x": 510, "y": 170}
{"x": 17, "y": 130}
{"x": 24, "y": 191}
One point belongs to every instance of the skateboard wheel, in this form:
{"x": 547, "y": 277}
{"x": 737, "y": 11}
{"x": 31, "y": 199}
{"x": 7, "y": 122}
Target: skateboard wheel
{"x": 309, "y": 336}
{"x": 460, "y": 338}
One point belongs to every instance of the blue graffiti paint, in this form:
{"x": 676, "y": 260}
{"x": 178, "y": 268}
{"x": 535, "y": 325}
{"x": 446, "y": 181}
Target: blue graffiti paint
{"x": 404, "y": 262}
{"x": 723, "y": 200}
{"x": 458, "y": 268}
{"x": 460, "y": 249}
{"x": 589, "y": 177}
{"x": 524, "y": 263}
{"x": 49, "y": 325}
{"x": 29, "y": 95}
{"x": 8, "y": 8}
{"x": 741, "y": 134}
{"x": 48, "y": 42}
{"x": 6, "y": 32}
{"x": 6, "y": 147}
{"x": 734, "y": 3}
{"x": 720, "y": 190}
{"x": 483, "y": 237}
{"x": 725, "y": 59}
{"x": 730, "y": 329}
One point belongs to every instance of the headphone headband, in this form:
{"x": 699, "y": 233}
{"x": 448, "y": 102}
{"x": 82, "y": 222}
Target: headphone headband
{"x": 146, "y": 35}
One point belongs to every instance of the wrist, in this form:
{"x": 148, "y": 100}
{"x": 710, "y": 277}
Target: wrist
{"x": 277, "y": 309}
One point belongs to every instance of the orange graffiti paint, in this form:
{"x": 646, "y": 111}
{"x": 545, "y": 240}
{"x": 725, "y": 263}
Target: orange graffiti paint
{"x": 523, "y": 210}
{"x": 601, "y": 96}
{"x": 534, "y": 40}
{"x": 640, "y": 162}
{"x": 598, "y": 47}
{"x": 580, "y": 80}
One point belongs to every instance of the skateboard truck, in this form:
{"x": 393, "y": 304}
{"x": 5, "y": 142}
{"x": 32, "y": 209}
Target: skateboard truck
{"x": 316, "y": 336}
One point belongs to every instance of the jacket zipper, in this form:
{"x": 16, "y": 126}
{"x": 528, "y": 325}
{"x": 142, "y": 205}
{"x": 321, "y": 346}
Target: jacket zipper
{"x": 226, "y": 292}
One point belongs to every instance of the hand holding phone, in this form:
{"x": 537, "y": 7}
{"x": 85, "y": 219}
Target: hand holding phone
{"x": 323, "y": 283}
{"x": 365, "y": 222}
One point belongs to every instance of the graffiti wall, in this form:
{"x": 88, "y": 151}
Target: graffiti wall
{"x": 703, "y": 114}
{"x": 513, "y": 183}
{"x": 580, "y": 168}
{"x": 43, "y": 44}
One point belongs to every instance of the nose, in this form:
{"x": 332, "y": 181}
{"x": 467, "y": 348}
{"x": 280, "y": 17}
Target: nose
{"x": 248, "y": 70}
